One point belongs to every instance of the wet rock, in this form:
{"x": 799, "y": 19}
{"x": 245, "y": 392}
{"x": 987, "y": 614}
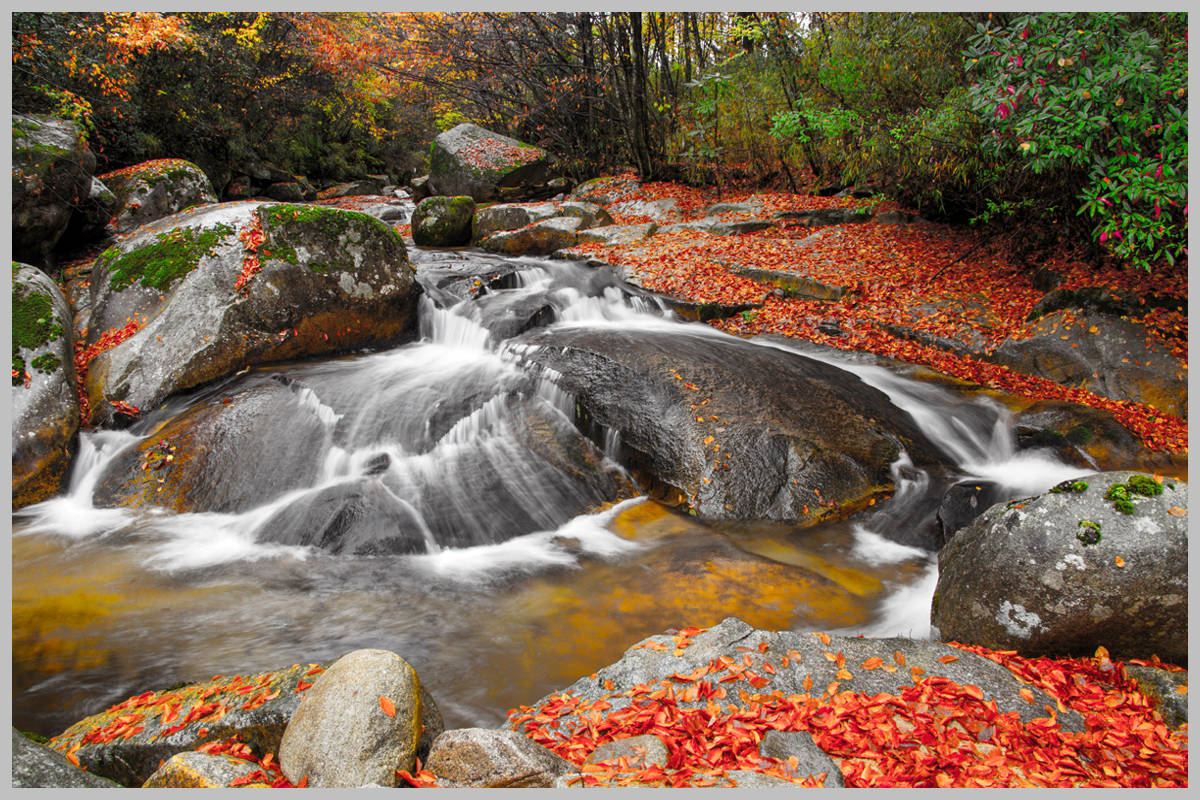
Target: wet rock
{"x": 156, "y": 189}
{"x": 468, "y": 281}
{"x": 342, "y": 736}
{"x": 703, "y": 312}
{"x": 824, "y": 216}
{"x": 728, "y": 429}
{"x": 639, "y": 751}
{"x": 1162, "y": 687}
{"x": 508, "y": 315}
{"x": 617, "y": 234}
{"x": 733, "y": 638}
{"x": 45, "y": 404}
{"x": 810, "y": 759}
{"x": 443, "y": 221}
{"x": 480, "y": 758}
{"x": 540, "y": 238}
{"x": 127, "y": 742}
{"x": 470, "y": 160}
{"x": 1076, "y": 572}
{"x": 327, "y": 281}
{"x": 37, "y": 767}
{"x": 962, "y": 503}
{"x": 1110, "y": 356}
{"x": 51, "y": 175}
{"x": 1088, "y": 437}
{"x": 202, "y": 771}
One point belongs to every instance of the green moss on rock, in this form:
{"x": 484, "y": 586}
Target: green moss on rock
{"x": 332, "y": 228}
{"x": 33, "y": 326}
{"x": 158, "y": 265}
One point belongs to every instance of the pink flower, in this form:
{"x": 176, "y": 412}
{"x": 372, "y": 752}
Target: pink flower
{"x": 1103, "y": 237}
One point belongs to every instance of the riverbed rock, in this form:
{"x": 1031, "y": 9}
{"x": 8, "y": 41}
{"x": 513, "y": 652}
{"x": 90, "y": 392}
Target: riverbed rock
{"x": 663, "y": 212}
{"x": 327, "y": 281}
{"x": 195, "y": 770}
{"x": 963, "y": 503}
{"x": 443, "y": 221}
{"x": 639, "y": 751}
{"x": 654, "y": 661}
{"x": 35, "y": 766}
{"x": 478, "y": 758}
{"x": 810, "y": 759}
{"x": 720, "y": 227}
{"x": 1110, "y": 356}
{"x": 1163, "y": 688}
{"x": 728, "y": 429}
{"x": 285, "y": 192}
{"x": 51, "y": 175}
{"x": 540, "y": 238}
{"x": 617, "y": 234}
{"x": 817, "y": 217}
{"x": 94, "y": 214}
{"x": 793, "y": 284}
{"x": 351, "y": 188}
{"x": 511, "y": 216}
{"x": 1075, "y": 572}
{"x": 605, "y": 191}
{"x": 127, "y": 742}
{"x": 470, "y": 160}
{"x": 358, "y": 724}
{"x": 1090, "y": 438}
{"x": 45, "y": 404}
{"x": 155, "y": 189}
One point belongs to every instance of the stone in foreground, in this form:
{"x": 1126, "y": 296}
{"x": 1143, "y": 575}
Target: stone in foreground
{"x": 359, "y": 723}
{"x": 38, "y": 767}
{"x": 481, "y": 758}
{"x": 193, "y": 770}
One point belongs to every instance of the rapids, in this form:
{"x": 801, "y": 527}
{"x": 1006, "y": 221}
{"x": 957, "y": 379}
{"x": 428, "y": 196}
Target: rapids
{"x": 517, "y": 577}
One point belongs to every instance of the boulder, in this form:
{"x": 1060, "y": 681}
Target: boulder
{"x": 606, "y": 191}
{"x": 962, "y": 503}
{"x": 657, "y": 661}
{"x": 447, "y": 286}
{"x": 609, "y": 235}
{"x": 1163, "y": 687}
{"x": 155, "y": 189}
{"x": 265, "y": 173}
{"x": 364, "y": 186}
{"x": 470, "y": 160}
{"x": 128, "y": 741}
{"x": 511, "y": 216}
{"x": 443, "y": 221}
{"x": 540, "y": 238}
{"x": 193, "y": 770}
{"x": 750, "y": 208}
{"x": 810, "y": 759}
{"x": 1101, "y": 299}
{"x": 286, "y": 192}
{"x": 719, "y": 227}
{"x": 1090, "y": 438}
{"x": 242, "y": 284}
{"x": 479, "y": 758}
{"x": 664, "y": 212}
{"x": 359, "y": 723}
{"x": 639, "y": 751}
{"x": 420, "y": 188}
{"x": 728, "y": 429}
{"x": 93, "y": 214}
{"x": 1110, "y": 356}
{"x": 51, "y": 176}
{"x": 1083, "y": 565}
{"x": 45, "y": 402}
{"x": 37, "y": 767}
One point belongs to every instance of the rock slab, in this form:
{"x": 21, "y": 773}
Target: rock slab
{"x": 37, "y": 767}
{"x": 480, "y": 758}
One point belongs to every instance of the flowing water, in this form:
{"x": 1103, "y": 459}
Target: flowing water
{"x": 513, "y": 580}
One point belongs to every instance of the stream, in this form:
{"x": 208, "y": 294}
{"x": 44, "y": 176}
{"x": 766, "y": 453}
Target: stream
{"x": 510, "y": 579}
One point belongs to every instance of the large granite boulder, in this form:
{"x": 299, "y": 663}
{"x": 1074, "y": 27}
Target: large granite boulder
{"x": 238, "y": 284}
{"x": 51, "y": 176}
{"x": 1097, "y": 561}
{"x": 511, "y": 216}
{"x": 470, "y": 160}
{"x": 1110, "y": 356}
{"x": 443, "y": 221}
{"x": 35, "y": 766}
{"x": 728, "y": 429}
{"x": 155, "y": 189}
{"x": 359, "y": 723}
{"x": 45, "y": 402}
{"x": 128, "y": 741}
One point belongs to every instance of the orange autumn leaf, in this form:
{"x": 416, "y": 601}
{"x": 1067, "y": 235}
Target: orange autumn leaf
{"x": 1120, "y": 562}
{"x": 947, "y": 659}
{"x": 874, "y": 662}
{"x": 388, "y": 707}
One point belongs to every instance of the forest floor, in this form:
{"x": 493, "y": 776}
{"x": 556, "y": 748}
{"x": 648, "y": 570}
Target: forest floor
{"x": 954, "y": 282}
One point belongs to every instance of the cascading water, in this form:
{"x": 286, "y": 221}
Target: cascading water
{"x": 428, "y": 500}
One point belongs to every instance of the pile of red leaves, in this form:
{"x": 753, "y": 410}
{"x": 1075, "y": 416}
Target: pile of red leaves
{"x": 945, "y": 281}
{"x": 932, "y": 733}
{"x": 85, "y": 354}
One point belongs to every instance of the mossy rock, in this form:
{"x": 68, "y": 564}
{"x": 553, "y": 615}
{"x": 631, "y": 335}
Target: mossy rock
{"x": 155, "y": 189}
{"x": 45, "y": 402}
{"x": 51, "y": 176}
{"x": 443, "y": 221}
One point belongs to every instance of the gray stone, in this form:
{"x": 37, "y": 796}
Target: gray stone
{"x": 810, "y": 759}
{"x": 318, "y": 268}
{"x": 617, "y": 234}
{"x": 749, "y": 209}
{"x": 1161, "y": 687}
{"x": 1119, "y": 360}
{"x": 155, "y": 189}
{"x": 606, "y": 191}
{"x": 51, "y": 175}
{"x": 793, "y": 284}
{"x": 639, "y": 751}
{"x": 824, "y": 216}
{"x": 470, "y": 160}
{"x": 719, "y": 227}
{"x": 340, "y": 736}
{"x": 663, "y": 211}
{"x": 540, "y": 238}
{"x": 483, "y": 758}
{"x": 194, "y": 770}
{"x": 287, "y": 192}
{"x": 364, "y": 186}
{"x": 1061, "y": 592}
{"x": 37, "y": 767}
{"x": 508, "y": 217}
{"x": 45, "y": 410}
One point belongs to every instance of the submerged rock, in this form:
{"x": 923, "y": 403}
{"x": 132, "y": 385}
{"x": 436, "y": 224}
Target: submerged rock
{"x": 729, "y": 429}
{"x": 1081, "y": 566}
{"x": 45, "y": 403}
{"x": 240, "y": 284}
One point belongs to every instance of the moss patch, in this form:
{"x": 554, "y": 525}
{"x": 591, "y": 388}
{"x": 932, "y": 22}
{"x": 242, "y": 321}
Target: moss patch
{"x": 1089, "y": 532}
{"x": 33, "y": 326}
{"x": 330, "y": 229}
{"x": 158, "y": 265}
{"x": 1123, "y": 495}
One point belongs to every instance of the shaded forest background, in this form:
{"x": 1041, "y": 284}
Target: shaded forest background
{"x": 1072, "y": 126}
